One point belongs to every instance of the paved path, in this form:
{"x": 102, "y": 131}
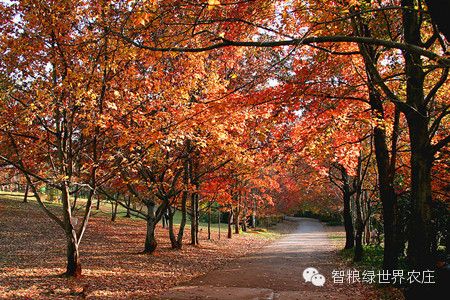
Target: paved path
{"x": 275, "y": 272}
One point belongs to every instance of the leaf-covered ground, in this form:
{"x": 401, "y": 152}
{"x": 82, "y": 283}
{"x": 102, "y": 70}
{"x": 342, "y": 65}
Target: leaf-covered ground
{"x": 32, "y": 255}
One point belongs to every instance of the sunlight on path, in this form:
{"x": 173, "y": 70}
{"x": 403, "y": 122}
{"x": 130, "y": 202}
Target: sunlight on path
{"x": 276, "y": 272}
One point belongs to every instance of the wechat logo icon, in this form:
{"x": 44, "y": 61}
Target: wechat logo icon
{"x": 312, "y": 275}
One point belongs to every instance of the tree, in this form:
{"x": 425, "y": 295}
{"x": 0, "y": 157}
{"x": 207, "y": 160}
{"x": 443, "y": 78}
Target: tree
{"x": 54, "y": 119}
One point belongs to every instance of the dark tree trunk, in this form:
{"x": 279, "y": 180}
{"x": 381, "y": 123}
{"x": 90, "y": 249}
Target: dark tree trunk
{"x": 75, "y": 198}
{"x": 237, "y": 215}
{"x": 420, "y": 229}
{"x": 244, "y": 223}
{"x": 385, "y": 165}
{"x": 183, "y": 220}
{"x": 150, "y": 239}
{"x": 197, "y": 217}
{"x": 184, "y": 198}
{"x": 73, "y": 264}
{"x": 209, "y": 221}
{"x": 98, "y": 203}
{"x": 25, "y": 196}
{"x": 237, "y": 221}
{"x": 367, "y": 222}
{"x": 254, "y": 214}
{"x": 230, "y": 220}
{"x": 387, "y": 193}
{"x": 173, "y": 239}
{"x": 218, "y": 222}
{"x": 128, "y": 215}
{"x": 114, "y": 210}
{"x": 359, "y": 229}
{"x": 348, "y": 223}
{"x": 193, "y": 219}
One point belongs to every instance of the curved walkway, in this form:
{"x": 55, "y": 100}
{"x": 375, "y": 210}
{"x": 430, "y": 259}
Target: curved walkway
{"x": 276, "y": 272}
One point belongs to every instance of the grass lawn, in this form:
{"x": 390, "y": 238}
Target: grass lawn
{"x": 105, "y": 210}
{"x": 32, "y": 253}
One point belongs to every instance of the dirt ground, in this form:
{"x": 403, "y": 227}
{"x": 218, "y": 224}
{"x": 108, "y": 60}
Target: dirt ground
{"x": 32, "y": 254}
{"x": 276, "y": 272}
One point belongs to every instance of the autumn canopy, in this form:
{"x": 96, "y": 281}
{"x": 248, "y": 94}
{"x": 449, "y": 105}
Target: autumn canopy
{"x": 250, "y": 108}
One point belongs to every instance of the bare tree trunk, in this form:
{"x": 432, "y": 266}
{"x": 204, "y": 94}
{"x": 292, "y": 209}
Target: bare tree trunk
{"x": 150, "y": 240}
{"x": 244, "y": 219}
{"x": 209, "y": 221}
{"x": 230, "y": 219}
{"x": 254, "y": 214}
{"x": 98, "y": 203}
{"x": 173, "y": 239}
{"x": 348, "y": 223}
{"x": 359, "y": 230}
{"x": 367, "y": 223}
{"x": 114, "y": 210}
{"x": 193, "y": 220}
{"x": 237, "y": 215}
{"x": 75, "y": 198}
{"x": 385, "y": 164}
{"x": 25, "y": 197}
{"x": 184, "y": 198}
{"x": 244, "y": 223}
{"x": 358, "y": 254}
{"x": 197, "y": 217}
{"x": 236, "y": 222}
{"x": 218, "y": 223}
{"x": 73, "y": 265}
{"x": 128, "y": 215}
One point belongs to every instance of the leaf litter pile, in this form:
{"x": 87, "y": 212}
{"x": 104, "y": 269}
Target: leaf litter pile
{"x": 32, "y": 256}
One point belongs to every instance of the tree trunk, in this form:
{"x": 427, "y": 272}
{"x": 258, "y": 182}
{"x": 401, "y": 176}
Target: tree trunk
{"x": 244, "y": 223}
{"x": 73, "y": 263}
{"x": 98, "y": 203}
{"x": 114, "y": 211}
{"x": 150, "y": 240}
{"x": 254, "y": 214}
{"x": 230, "y": 220}
{"x": 128, "y": 215}
{"x": 184, "y": 198}
{"x": 173, "y": 239}
{"x": 385, "y": 166}
{"x": 218, "y": 223}
{"x": 237, "y": 215}
{"x": 359, "y": 230}
{"x": 348, "y": 223}
{"x": 25, "y": 196}
{"x": 193, "y": 220}
{"x": 209, "y": 221}
{"x": 75, "y": 198}
{"x": 197, "y": 217}
{"x": 236, "y": 221}
{"x": 420, "y": 228}
{"x": 367, "y": 222}
{"x": 387, "y": 195}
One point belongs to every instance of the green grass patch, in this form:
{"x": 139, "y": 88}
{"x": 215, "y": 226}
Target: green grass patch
{"x": 336, "y": 237}
{"x": 372, "y": 258}
{"x": 106, "y": 211}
